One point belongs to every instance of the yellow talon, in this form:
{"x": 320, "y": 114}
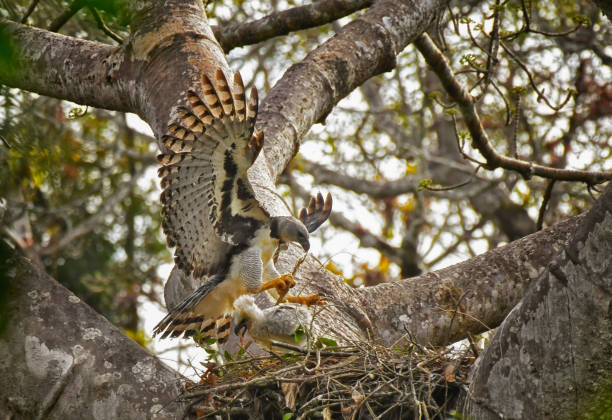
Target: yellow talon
{"x": 282, "y": 285}
{"x": 306, "y": 300}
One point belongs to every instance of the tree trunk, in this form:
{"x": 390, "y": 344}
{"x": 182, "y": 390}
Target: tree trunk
{"x": 62, "y": 360}
{"x": 552, "y": 355}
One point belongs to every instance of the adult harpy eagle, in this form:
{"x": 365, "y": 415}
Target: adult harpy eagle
{"x": 223, "y": 238}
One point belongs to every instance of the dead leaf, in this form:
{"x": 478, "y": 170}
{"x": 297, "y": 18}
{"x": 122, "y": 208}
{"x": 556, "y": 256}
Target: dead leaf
{"x": 348, "y": 412}
{"x": 449, "y": 373}
{"x": 200, "y": 413}
{"x": 327, "y": 414}
{"x": 290, "y": 391}
{"x": 356, "y": 396}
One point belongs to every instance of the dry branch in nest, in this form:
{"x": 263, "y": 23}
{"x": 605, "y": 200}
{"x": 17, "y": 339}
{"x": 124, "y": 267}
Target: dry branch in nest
{"x": 361, "y": 382}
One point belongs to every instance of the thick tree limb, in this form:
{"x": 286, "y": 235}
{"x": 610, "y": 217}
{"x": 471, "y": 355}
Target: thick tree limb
{"x": 480, "y": 139}
{"x": 552, "y": 355}
{"x": 60, "y": 359}
{"x": 286, "y": 21}
{"x": 308, "y": 91}
{"x": 62, "y": 67}
{"x": 473, "y": 296}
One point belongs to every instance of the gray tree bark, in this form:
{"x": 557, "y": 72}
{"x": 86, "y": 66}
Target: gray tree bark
{"x": 552, "y": 355}
{"x": 59, "y": 359}
{"x": 90, "y": 368}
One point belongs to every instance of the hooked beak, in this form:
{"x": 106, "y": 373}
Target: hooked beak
{"x": 241, "y": 328}
{"x": 305, "y": 244}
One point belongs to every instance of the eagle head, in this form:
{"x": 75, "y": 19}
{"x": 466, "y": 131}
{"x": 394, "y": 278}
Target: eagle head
{"x": 289, "y": 229}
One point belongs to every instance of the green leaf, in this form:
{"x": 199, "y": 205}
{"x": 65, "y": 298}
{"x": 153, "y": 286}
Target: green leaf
{"x": 298, "y": 334}
{"x": 328, "y": 342}
{"x": 424, "y": 184}
{"x": 210, "y": 341}
{"x": 287, "y": 416}
{"x": 227, "y": 356}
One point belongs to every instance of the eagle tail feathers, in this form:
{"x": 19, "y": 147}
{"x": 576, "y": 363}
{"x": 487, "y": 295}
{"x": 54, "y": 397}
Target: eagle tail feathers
{"x": 183, "y": 317}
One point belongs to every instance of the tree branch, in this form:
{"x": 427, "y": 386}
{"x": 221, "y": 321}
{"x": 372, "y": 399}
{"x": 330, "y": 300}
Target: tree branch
{"x": 375, "y": 189}
{"x": 480, "y": 139}
{"x": 61, "y": 20}
{"x": 551, "y": 356}
{"x": 486, "y": 196}
{"x": 286, "y": 21}
{"x": 95, "y": 219}
{"x": 474, "y": 296}
{"x": 30, "y": 9}
{"x": 308, "y": 91}
{"x": 62, "y": 67}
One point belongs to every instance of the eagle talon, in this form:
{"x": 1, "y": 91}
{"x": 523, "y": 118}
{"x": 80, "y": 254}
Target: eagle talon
{"x": 282, "y": 285}
{"x": 306, "y": 300}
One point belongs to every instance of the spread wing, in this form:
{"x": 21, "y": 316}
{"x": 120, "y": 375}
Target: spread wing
{"x": 209, "y": 207}
{"x": 317, "y": 212}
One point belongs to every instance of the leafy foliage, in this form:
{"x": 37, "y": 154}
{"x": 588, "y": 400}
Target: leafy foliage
{"x": 77, "y": 200}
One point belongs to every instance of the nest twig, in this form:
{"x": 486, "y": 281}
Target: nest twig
{"x": 361, "y": 382}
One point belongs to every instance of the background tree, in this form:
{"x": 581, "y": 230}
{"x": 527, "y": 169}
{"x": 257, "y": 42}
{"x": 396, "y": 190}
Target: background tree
{"x": 412, "y": 152}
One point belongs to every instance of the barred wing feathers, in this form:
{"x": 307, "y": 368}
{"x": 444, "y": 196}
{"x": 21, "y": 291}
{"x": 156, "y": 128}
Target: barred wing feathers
{"x": 190, "y": 318}
{"x": 208, "y": 204}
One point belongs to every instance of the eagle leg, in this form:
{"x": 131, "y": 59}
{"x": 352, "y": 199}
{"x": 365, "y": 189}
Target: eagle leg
{"x": 306, "y": 300}
{"x": 282, "y": 285}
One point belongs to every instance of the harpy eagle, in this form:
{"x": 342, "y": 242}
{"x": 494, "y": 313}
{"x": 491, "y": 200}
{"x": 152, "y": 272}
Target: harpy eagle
{"x": 274, "y": 324}
{"x": 224, "y": 240}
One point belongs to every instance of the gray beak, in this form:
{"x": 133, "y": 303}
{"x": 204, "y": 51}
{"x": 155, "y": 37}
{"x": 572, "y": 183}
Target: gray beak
{"x": 305, "y": 244}
{"x": 241, "y": 326}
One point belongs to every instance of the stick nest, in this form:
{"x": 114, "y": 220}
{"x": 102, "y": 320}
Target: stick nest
{"x": 362, "y": 382}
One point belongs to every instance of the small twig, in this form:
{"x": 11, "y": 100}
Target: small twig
{"x": 545, "y": 200}
{"x": 541, "y": 95}
{"x": 103, "y": 26}
{"x": 480, "y": 139}
{"x": 29, "y": 11}
{"x": 473, "y": 345}
{"x": 61, "y": 20}
{"x": 512, "y": 149}
{"x": 447, "y": 188}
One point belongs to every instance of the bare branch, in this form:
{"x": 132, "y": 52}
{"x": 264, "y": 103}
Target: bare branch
{"x": 71, "y": 68}
{"x": 480, "y": 139}
{"x": 61, "y": 20}
{"x": 545, "y": 200}
{"x": 103, "y": 26}
{"x": 286, "y": 21}
{"x": 375, "y": 189}
{"x": 308, "y": 91}
{"x": 31, "y": 7}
